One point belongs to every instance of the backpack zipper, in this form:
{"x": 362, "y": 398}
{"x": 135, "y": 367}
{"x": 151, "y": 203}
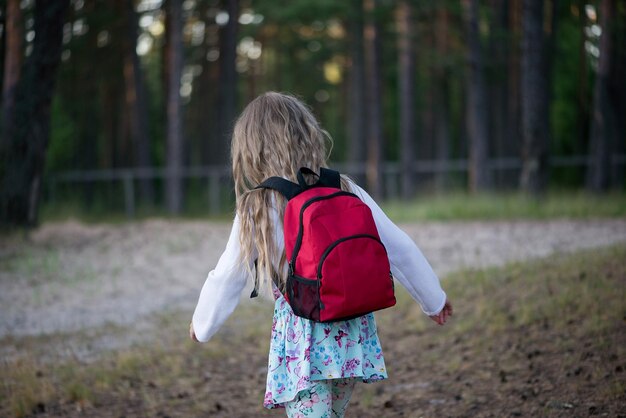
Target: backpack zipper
{"x": 296, "y": 248}
{"x": 339, "y": 241}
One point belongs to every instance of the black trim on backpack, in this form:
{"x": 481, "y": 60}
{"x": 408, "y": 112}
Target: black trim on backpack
{"x": 302, "y": 181}
{"x": 289, "y": 189}
{"x": 326, "y": 178}
{"x": 255, "y": 291}
{"x": 284, "y": 187}
{"x": 330, "y": 178}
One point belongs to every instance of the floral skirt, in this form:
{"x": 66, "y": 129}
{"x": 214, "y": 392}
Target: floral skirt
{"x": 302, "y": 351}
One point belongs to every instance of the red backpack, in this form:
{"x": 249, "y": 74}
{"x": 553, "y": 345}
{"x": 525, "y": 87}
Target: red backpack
{"x": 338, "y": 266}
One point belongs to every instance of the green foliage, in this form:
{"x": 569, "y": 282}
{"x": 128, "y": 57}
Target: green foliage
{"x": 300, "y": 40}
{"x": 300, "y": 12}
{"x": 64, "y": 140}
{"x": 572, "y": 79}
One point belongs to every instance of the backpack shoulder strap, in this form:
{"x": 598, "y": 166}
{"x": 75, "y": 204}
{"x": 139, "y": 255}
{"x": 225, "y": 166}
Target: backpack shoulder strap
{"x": 284, "y": 187}
{"x": 326, "y": 178}
{"x": 330, "y": 178}
{"x": 255, "y": 291}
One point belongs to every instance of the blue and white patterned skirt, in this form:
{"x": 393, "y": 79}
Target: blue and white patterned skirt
{"x": 302, "y": 350}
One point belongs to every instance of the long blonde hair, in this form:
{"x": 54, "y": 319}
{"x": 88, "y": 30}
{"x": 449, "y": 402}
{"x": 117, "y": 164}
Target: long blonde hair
{"x": 275, "y": 135}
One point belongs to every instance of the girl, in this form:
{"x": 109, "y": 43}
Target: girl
{"x": 313, "y": 367}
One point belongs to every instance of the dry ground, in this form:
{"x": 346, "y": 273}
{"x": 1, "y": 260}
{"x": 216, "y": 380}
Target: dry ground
{"x": 93, "y": 322}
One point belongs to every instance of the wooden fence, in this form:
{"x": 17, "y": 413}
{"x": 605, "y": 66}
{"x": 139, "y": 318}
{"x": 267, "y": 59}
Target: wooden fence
{"x": 217, "y": 175}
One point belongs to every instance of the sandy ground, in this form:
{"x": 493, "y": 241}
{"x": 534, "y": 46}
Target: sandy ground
{"x": 75, "y": 278}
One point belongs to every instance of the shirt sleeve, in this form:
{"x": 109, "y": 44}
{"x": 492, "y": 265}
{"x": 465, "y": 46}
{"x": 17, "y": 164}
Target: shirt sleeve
{"x": 222, "y": 289}
{"x": 408, "y": 264}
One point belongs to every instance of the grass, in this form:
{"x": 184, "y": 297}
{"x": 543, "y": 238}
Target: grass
{"x": 426, "y": 207}
{"x": 529, "y": 337}
{"x": 588, "y": 287}
{"x": 464, "y": 206}
{"x": 44, "y": 264}
{"x": 562, "y": 288}
{"x": 111, "y": 209}
{"x": 136, "y": 375}
{"x": 575, "y": 301}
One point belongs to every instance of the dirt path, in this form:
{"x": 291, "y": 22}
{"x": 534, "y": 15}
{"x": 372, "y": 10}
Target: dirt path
{"x": 69, "y": 277}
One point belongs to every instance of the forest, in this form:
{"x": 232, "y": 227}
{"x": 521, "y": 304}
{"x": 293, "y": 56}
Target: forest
{"x": 491, "y": 132}
{"x": 123, "y": 104}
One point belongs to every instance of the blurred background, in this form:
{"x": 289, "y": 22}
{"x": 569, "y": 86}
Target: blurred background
{"x": 126, "y": 106}
{"x": 492, "y": 131}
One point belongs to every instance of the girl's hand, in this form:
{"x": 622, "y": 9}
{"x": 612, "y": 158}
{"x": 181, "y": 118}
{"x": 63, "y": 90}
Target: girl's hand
{"x": 442, "y": 316}
{"x": 192, "y": 333}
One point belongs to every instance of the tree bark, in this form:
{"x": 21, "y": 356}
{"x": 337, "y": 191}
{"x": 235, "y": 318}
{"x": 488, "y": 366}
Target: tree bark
{"x": 227, "y": 86}
{"x": 174, "y": 157}
{"x": 603, "y": 119}
{"x": 426, "y": 146}
{"x": 441, "y": 95}
{"x": 535, "y": 106}
{"x": 617, "y": 87}
{"x": 498, "y": 84}
{"x": 135, "y": 97}
{"x": 373, "y": 99}
{"x": 406, "y": 93}
{"x": 23, "y": 150}
{"x": 583, "y": 116}
{"x": 357, "y": 150}
{"x": 477, "y": 121}
{"x": 3, "y": 47}
{"x": 86, "y": 92}
{"x": 202, "y": 109}
{"x": 13, "y": 57}
{"x": 514, "y": 102}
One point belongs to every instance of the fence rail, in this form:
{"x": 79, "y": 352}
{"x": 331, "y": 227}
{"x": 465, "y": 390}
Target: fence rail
{"x": 216, "y": 174}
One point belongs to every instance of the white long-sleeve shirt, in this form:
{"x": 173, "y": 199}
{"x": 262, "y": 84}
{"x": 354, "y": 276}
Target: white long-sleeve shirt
{"x": 222, "y": 289}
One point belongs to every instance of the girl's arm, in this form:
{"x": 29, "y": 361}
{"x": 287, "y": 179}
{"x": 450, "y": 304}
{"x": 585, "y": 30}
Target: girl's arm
{"x": 408, "y": 264}
{"x": 221, "y": 291}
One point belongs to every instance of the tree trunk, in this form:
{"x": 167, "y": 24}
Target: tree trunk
{"x": 535, "y": 109}
{"x": 583, "y": 117}
{"x": 603, "y": 118}
{"x": 207, "y": 130}
{"x": 3, "y": 47}
{"x": 86, "y": 93}
{"x": 135, "y": 97}
{"x": 227, "y": 86}
{"x": 426, "y": 146}
{"x": 477, "y": 121}
{"x": 406, "y": 93}
{"x": 373, "y": 99}
{"x": 550, "y": 28}
{"x": 617, "y": 87}
{"x": 174, "y": 157}
{"x": 357, "y": 151}
{"x": 12, "y": 59}
{"x": 514, "y": 103}
{"x": 203, "y": 120}
{"x": 498, "y": 85}
{"x": 441, "y": 96}
{"x": 23, "y": 149}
